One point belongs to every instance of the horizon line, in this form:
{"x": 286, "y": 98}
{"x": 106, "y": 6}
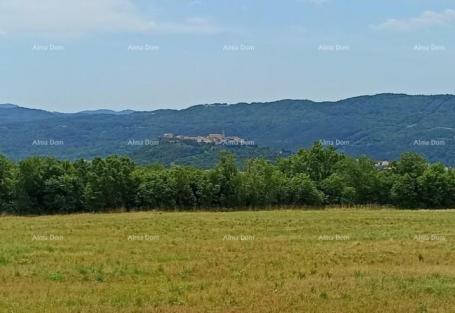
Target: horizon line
{"x": 88, "y": 111}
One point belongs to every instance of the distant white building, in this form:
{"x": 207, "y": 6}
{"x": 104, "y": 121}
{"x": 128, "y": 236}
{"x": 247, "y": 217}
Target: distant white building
{"x": 383, "y": 164}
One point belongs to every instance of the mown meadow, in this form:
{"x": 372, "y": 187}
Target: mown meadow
{"x": 332, "y": 260}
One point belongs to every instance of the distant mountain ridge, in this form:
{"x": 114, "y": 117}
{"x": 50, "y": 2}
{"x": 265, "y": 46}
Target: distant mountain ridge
{"x": 13, "y": 113}
{"x": 105, "y": 111}
{"x": 8, "y": 106}
{"x": 381, "y": 126}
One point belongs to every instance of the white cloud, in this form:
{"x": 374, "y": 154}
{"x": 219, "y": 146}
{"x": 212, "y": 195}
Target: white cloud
{"x": 427, "y": 19}
{"x": 74, "y": 17}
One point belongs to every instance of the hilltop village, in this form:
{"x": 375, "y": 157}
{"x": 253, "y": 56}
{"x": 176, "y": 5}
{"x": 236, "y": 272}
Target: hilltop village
{"x": 216, "y": 139}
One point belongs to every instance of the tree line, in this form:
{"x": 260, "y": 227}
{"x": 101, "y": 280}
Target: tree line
{"x": 318, "y": 176}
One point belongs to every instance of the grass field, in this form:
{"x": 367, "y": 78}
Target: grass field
{"x": 279, "y": 261}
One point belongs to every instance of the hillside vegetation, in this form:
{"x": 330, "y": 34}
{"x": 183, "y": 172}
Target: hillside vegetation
{"x": 201, "y": 155}
{"x": 381, "y": 126}
{"x": 279, "y": 261}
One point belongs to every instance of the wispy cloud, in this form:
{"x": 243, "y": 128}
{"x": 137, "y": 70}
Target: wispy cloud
{"x": 426, "y": 20}
{"x": 74, "y": 17}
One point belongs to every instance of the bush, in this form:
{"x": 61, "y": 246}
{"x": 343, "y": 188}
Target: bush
{"x": 317, "y": 176}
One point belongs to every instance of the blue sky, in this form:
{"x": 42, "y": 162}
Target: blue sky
{"x": 72, "y": 55}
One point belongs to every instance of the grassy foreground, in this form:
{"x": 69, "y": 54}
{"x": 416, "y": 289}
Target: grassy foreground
{"x": 277, "y": 261}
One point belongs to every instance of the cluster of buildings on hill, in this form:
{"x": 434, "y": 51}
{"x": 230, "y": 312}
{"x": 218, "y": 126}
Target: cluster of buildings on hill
{"x": 217, "y": 139}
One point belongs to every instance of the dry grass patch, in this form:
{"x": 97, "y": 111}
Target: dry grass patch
{"x": 275, "y": 261}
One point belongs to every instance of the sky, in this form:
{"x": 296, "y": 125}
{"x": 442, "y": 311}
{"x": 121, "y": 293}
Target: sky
{"x": 73, "y": 55}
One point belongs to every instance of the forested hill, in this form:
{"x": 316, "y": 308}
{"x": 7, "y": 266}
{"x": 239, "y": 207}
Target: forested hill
{"x": 380, "y": 126}
{"x": 202, "y": 155}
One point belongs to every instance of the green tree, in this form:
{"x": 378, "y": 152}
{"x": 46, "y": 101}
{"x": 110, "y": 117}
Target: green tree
{"x": 318, "y": 162}
{"x": 410, "y": 163}
{"x": 434, "y": 186}
{"x": 7, "y": 175}
{"x": 451, "y": 200}
{"x": 362, "y": 177}
{"x": 303, "y": 191}
{"x": 263, "y": 184}
{"x": 405, "y": 191}
{"x": 110, "y": 184}
{"x": 185, "y": 187}
{"x": 47, "y": 185}
{"x": 337, "y": 191}
{"x": 156, "y": 189}
{"x": 226, "y": 181}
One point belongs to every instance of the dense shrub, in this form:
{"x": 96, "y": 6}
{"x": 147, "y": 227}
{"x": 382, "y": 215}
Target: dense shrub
{"x": 313, "y": 177}
{"x": 7, "y": 173}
